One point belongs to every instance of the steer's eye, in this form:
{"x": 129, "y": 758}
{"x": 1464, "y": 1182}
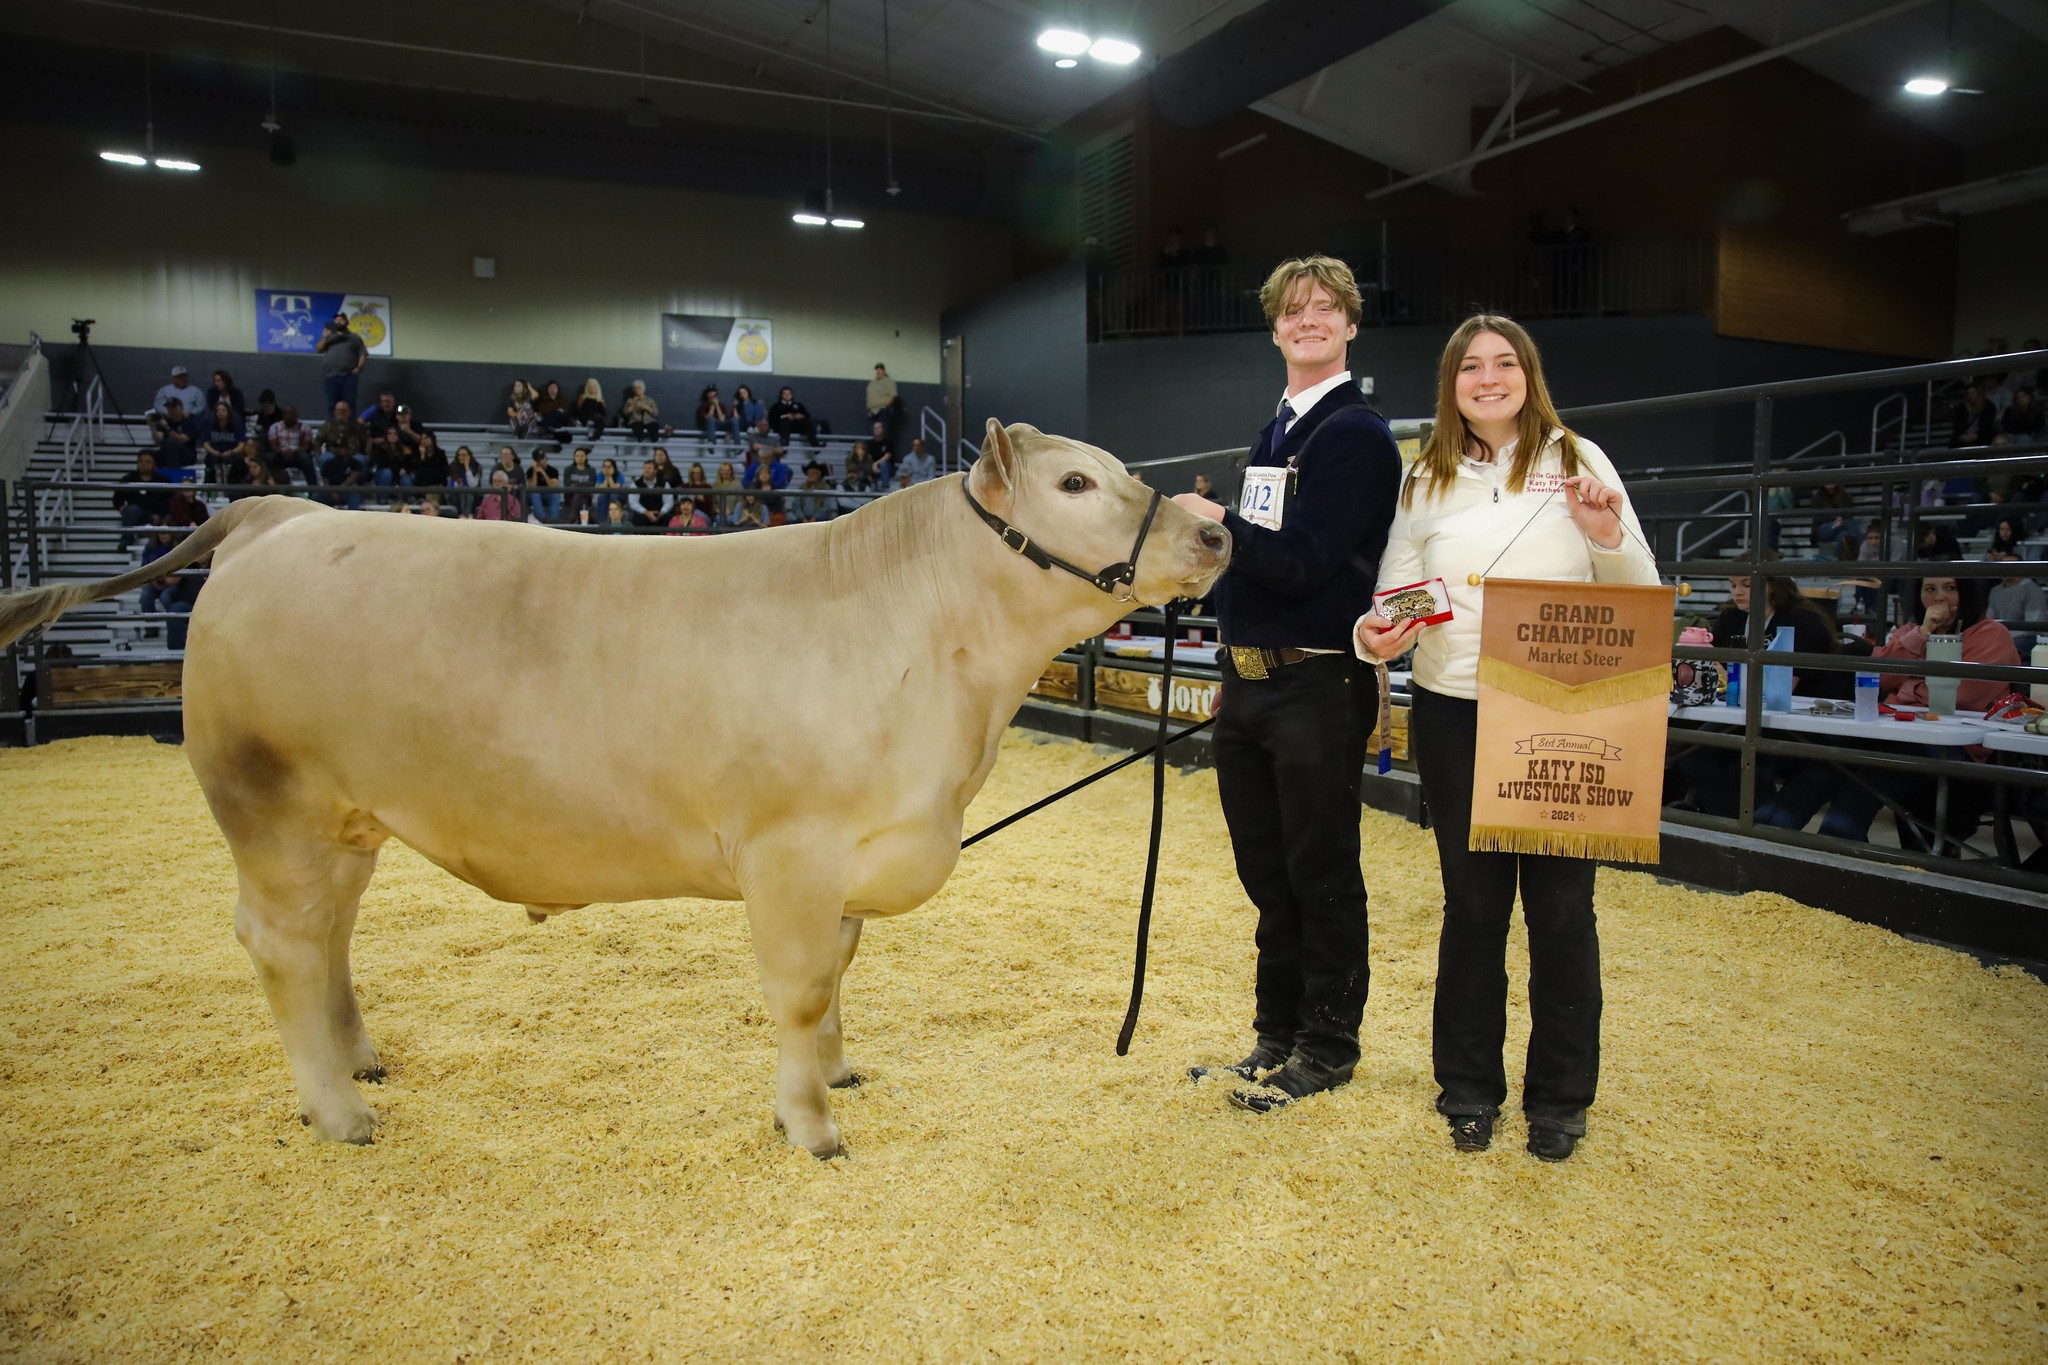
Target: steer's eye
{"x": 1075, "y": 483}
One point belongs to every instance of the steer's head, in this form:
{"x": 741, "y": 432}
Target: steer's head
{"x": 1080, "y": 504}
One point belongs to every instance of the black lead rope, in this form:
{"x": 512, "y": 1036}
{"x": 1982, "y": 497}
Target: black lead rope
{"x": 1123, "y": 1037}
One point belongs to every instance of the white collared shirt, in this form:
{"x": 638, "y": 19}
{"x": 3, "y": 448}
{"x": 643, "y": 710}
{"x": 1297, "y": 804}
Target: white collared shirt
{"x": 1305, "y": 400}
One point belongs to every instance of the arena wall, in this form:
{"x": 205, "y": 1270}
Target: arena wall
{"x": 169, "y": 261}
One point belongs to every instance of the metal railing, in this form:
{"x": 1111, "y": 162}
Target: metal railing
{"x": 1662, "y": 275}
{"x": 53, "y": 506}
{"x": 931, "y": 429}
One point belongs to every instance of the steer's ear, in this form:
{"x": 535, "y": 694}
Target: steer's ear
{"x": 999, "y": 457}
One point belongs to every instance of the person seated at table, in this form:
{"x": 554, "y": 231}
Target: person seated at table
{"x": 1945, "y": 606}
{"x": 1714, "y": 776}
{"x": 2014, "y": 601}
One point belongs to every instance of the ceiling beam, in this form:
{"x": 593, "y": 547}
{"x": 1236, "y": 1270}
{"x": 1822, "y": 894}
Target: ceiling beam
{"x": 1648, "y": 96}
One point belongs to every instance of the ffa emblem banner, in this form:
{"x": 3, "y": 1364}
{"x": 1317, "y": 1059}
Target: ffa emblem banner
{"x": 289, "y": 321}
{"x": 1574, "y": 682}
{"x": 696, "y": 341}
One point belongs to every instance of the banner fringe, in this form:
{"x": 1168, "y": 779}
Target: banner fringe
{"x": 1568, "y": 699}
{"x": 1565, "y": 843}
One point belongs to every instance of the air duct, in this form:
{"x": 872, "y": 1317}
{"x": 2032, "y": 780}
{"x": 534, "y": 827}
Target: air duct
{"x": 1269, "y": 49}
{"x": 1943, "y": 207}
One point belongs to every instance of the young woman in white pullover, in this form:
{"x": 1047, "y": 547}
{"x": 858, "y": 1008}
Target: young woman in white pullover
{"x": 1501, "y": 489}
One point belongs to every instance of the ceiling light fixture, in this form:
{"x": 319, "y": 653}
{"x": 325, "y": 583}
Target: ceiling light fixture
{"x": 1926, "y": 86}
{"x": 148, "y": 156}
{"x": 1066, "y": 63}
{"x": 1064, "y": 42}
{"x": 166, "y": 163}
{"x": 808, "y": 219}
{"x": 818, "y": 210}
{"x": 124, "y": 158}
{"x": 1115, "y": 51}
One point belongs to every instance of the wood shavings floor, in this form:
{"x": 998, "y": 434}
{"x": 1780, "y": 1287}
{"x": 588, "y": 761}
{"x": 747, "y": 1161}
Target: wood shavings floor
{"x": 1814, "y": 1140}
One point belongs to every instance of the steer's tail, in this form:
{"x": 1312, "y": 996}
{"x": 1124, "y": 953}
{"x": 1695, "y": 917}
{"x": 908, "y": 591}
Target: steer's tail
{"x": 23, "y": 611}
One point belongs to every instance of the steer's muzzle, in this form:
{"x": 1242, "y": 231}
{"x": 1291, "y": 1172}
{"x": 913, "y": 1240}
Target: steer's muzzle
{"x": 1207, "y": 546}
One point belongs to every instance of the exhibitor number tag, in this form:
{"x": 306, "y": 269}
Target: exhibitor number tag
{"x": 1264, "y": 499}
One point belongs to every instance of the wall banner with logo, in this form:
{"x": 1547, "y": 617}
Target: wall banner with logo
{"x": 699, "y": 341}
{"x": 1574, "y": 691}
{"x": 289, "y": 321}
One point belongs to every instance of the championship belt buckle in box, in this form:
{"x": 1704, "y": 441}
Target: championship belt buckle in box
{"x": 1428, "y": 602}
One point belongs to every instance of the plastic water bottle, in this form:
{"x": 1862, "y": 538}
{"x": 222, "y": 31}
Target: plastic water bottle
{"x": 1941, "y": 692}
{"x": 1733, "y": 696}
{"x": 1866, "y": 696}
{"x": 2039, "y": 659}
{"x": 1778, "y": 681}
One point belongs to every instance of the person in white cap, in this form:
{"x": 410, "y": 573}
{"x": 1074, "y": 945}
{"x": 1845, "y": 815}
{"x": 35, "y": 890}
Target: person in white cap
{"x": 181, "y": 388}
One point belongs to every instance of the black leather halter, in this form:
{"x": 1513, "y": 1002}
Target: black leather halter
{"x": 1124, "y": 575}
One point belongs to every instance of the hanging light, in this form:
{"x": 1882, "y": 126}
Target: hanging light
{"x": 148, "y": 156}
{"x": 1926, "y": 86}
{"x": 817, "y": 210}
{"x": 1115, "y": 51}
{"x": 124, "y": 158}
{"x": 1066, "y": 63}
{"x": 1064, "y": 42}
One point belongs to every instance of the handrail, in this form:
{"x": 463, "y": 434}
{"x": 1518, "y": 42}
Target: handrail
{"x": 1878, "y": 422}
{"x": 54, "y": 506}
{"x": 1795, "y": 388}
{"x": 928, "y": 421}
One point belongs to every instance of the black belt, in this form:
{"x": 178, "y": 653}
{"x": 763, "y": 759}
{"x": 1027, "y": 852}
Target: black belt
{"x": 1252, "y": 663}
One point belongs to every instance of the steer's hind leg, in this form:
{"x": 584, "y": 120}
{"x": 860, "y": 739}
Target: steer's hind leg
{"x": 299, "y": 894}
{"x": 831, "y": 1040}
{"x": 794, "y": 912}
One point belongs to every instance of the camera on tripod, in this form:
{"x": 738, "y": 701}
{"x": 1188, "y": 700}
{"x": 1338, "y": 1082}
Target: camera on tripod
{"x": 82, "y": 327}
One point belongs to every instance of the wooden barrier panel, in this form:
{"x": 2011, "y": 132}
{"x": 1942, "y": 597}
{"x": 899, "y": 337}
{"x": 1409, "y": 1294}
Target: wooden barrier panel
{"x": 71, "y": 683}
{"x": 1126, "y": 689}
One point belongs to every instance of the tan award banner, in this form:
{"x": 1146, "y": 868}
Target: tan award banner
{"x": 1574, "y": 686}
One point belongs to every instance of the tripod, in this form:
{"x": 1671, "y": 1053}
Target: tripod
{"x": 82, "y": 329}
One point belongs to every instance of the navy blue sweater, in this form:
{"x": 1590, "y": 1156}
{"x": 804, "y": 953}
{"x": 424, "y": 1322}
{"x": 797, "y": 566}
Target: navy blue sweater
{"x": 1305, "y": 585}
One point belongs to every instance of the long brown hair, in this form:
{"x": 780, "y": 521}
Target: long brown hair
{"x": 1448, "y": 440}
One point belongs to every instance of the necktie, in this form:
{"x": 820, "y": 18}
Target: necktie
{"x": 1277, "y": 431}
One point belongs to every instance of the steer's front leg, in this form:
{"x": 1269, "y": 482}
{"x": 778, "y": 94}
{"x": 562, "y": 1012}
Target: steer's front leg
{"x": 831, "y": 1037}
{"x": 794, "y": 913}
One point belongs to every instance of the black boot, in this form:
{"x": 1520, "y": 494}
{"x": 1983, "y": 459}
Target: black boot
{"x": 1262, "y": 1060}
{"x": 1551, "y": 1144}
{"x": 1296, "y": 1080}
{"x": 1471, "y": 1132}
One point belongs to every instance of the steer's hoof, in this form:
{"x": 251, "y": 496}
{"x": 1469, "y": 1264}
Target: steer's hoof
{"x": 358, "y": 1126}
{"x": 835, "y": 1154}
{"x": 373, "y": 1073}
{"x": 848, "y": 1081}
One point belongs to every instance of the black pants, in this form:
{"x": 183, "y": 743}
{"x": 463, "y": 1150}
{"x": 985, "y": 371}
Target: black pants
{"x": 1289, "y": 750}
{"x": 1471, "y": 977}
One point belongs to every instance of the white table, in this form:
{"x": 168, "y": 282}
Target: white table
{"x": 1153, "y": 647}
{"x": 1950, "y": 733}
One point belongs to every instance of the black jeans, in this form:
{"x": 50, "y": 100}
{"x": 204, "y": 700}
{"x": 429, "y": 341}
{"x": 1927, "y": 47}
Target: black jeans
{"x": 1289, "y": 751}
{"x": 1470, "y": 1029}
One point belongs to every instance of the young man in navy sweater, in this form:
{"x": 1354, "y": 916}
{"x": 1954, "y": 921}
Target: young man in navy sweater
{"x": 1298, "y": 706}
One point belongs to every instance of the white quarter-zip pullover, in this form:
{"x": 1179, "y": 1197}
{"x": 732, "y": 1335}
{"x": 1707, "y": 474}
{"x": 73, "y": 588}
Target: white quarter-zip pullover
{"x": 1462, "y": 531}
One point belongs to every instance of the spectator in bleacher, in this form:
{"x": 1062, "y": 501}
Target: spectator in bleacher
{"x": 502, "y": 502}
{"x": 590, "y": 408}
{"x": 884, "y": 472}
{"x": 1211, "y": 251}
{"x": 578, "y": 480}
{"x": 267, "y": 413}
{"x": 466, "y": 478}
{"x": 885, "y": 405}
{"x": 700, "y": 494}
{"x": 817, "y": 508}
{"x": 185, "y": 510}
{"x": 2023, "y": 421}
{"x": 665, "y": 469}
{"x": 2009, "y": 533}
{"x": 727, "y": 488}
{"x": 142, "y": 497}
{"x": 919, "y": 464}
{"x": 1833, "y": 522}
{"x": 1173, "y": 252}
{"x": 2014, "y": 601}
{"x": 430, "y": 466}
{"x": 341, "y": 469}
{"x": 290, "y": 442}
{"x": 775, "y": 471}
{"x": 181, "y": 388}
{"x": 1205, "y": 489}
{"x": 788, "y": 418}
{"x": 655, "y": 504}
{"x": 749, "y": 514}
{"x": 342, "y": 357}
{"x": 850, "y": 482}
{"x": 556, "y": 413}
{"x": 225, "y": 391}
{"x": 542, "y": 482}
{"x": 748, "y": 412}
{"x": 1937, "y": 542}
{"x": 713, "y": 417}
{"x": 639, "y": 414}
{"x": 341, "y": 432}
{"x": 174, "y": 592}
{"x": 603, "y": 500}
{"x": 1974, "y": 421}
{"x": 223, "y": 440}
{"x": 520, "y": 412}
{"x": 508, "y": 465}
{"x": 764, "y": 434}
{"x": 615, "y": 515}
{"x": 687, "y": 519}
{"x": 860, "y": 463}
{"x": 258, "y": 480}
{"x": 181, "y": 440}
{"x": 1786, "y": 605}
{"x": 880, "y": 439}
